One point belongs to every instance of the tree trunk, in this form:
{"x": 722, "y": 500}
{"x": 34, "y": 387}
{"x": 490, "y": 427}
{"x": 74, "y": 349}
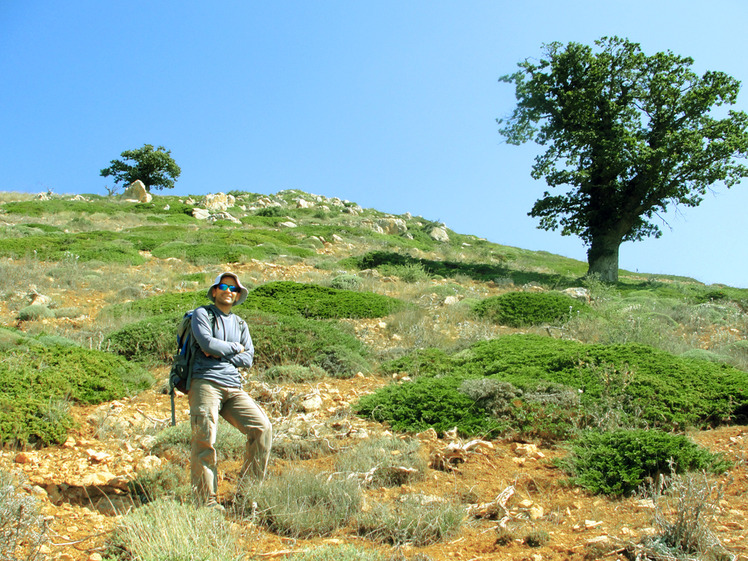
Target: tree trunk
{"x": 602, "y": 257}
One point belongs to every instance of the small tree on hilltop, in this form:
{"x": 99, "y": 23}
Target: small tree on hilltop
{"x": 153, "y": 166}
{"x": 629, "y": 134}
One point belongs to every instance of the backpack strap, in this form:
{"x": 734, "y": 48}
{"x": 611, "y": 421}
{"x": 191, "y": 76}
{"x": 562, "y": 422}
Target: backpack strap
{"x": 212, "y": 316}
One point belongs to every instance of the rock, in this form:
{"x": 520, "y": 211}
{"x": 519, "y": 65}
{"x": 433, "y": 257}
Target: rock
{"x": 312, "y": 402}
{"x": 223, "y": 216}
{"x": 28, "y": 458}
{"x": 97, "y": 479}
{"x": 148, "y": 463}
{"x": 137, "y": 191}
{"x": 393, "y": 226}
{"x": 288, "y": 224}
{"x": 200, "y": 213}
{"x": 98, "y": 457}
{"x": 439, "y": 234}
{"x": 219, "y": 202}
{"x": 451, "y": 300}
{"x": 578, "y": 293}
{"x": 527, "y": 451}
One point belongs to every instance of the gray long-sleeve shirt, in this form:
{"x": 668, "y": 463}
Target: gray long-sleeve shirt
{"x": 224, "y": 348}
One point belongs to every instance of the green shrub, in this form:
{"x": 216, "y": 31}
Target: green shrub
{"x": 340, "y": 361}
{"x": 616, "y": 386}
{"x": 38, "y": 381}
{"x": 427, "y": 403}
{"x": 319, "y": 302}
{"x": 346, "y": 282}
{"x": 149, "y": 340}
{"x": 35, "y": 312}
{"x": 302, "y": 504}
{"x": 176, "y": 303}
{"x": 618, "y": 462}
{"x": 388, "y": 260}
{"x": 421, "y": 362}
{"x": 520, "y": 309}
{"x": 413, "y": 520}
{"x": 410, "y": 272}
{"x": 293, "y": 373}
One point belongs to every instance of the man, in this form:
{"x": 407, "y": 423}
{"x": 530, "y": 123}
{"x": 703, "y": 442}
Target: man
{"x": 216, "y": 389}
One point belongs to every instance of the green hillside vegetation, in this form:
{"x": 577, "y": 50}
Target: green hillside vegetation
{"x": 41, "y": 376}
{"x": 536, "y": 386}
{"x": 615, "y": 378}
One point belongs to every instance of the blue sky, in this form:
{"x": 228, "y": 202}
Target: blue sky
{"x": 388, "y": 104}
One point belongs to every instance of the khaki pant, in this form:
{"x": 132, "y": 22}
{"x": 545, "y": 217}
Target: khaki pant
{"x": 207, "y": 401}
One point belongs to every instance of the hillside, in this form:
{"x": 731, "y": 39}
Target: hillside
{"x": 95, "y": 273}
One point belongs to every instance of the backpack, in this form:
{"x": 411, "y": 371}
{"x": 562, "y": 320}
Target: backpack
{"x": 181, "y": 366}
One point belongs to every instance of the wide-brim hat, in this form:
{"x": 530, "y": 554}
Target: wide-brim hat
{"x": 242, "y": 295}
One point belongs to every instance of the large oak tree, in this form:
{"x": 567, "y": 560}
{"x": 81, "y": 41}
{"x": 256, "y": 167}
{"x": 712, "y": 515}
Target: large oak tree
{"x": 627, "y": 136}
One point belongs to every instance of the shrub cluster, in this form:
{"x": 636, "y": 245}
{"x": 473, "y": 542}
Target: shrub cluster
{"x": 520, "y": 309}
{"x": 38, "y": 381}
{"x": 641, "y": 385}
{"x": 302, "y": 504}
{"x": 618, "y": 462}
{"x": 319, "y": 302}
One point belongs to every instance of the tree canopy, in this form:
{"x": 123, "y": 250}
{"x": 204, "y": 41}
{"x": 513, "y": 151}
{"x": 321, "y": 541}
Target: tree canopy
{"x": 153, "y": 166}
{"x": 627, "y": 135}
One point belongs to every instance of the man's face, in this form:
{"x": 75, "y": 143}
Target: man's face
{"x": 222, "y": 293}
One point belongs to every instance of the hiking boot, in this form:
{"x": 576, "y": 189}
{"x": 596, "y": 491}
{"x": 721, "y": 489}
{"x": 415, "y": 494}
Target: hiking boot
{"x": 215, "y": 505}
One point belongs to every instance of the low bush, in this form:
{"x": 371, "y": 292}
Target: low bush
{"x": 293, "y": 373}
{"x": 38, "y": 381}
{"x": 339, "y": 553}
{"x": 170, "y": 481}
{"x": 346, "y": 282}
{"x": 414, "y": 520}
{"x": 616, "y": 386}
{"x": 424, "y": 268}
{"x": 319, "y": 302}
{"x": 35, "y": 312}
{"x": 340, "y": 361}
{"x": 427, "y": 403}
{"x": 387, "y": 461}
{"x": 618, "y": 462}
{"x": 169, "y": 530}
{"x": 23, "y": 530}
{"x": 301, "y": 504}
{"x": 107, "y": 247}
{"x": 520, "y": 309}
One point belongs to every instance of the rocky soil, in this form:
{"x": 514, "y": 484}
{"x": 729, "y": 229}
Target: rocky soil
{"x": 82, "y": 484}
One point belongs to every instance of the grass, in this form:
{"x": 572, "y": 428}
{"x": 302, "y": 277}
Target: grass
{"x": 23, "y": 531}
{"x": 300, "y": 503}
{"x": 166, "y": 530}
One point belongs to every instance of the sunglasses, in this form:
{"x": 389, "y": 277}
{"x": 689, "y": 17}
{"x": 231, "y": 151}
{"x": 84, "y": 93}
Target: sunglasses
{"x": 231, "y": 287}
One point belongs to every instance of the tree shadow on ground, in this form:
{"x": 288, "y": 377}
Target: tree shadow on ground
{"x": 500, "y": 273}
